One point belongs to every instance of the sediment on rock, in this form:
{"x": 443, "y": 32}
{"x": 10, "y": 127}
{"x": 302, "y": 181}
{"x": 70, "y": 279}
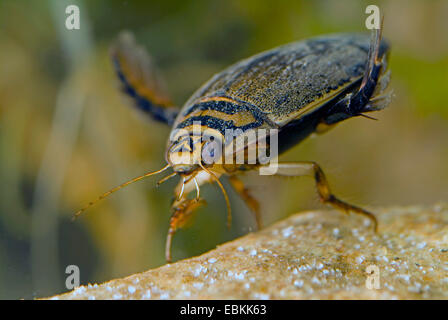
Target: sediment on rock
{"x": 310, "y": 255}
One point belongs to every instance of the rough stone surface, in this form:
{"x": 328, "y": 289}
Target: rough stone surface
{"x": 311, "y": 255}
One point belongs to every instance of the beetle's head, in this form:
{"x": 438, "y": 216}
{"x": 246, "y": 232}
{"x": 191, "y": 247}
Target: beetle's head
{"x": 189, "y": 153}
{"x": 184, "y": 154}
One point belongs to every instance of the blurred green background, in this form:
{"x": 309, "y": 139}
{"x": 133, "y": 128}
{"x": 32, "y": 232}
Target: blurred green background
{"x": 67, "y": 134}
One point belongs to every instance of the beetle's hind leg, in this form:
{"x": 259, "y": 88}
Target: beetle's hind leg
{"x": 323, "y": 188}
{"x": 374, "y": 81}
{"x": 139, "y": 79}
{"x": 250, "y": 201}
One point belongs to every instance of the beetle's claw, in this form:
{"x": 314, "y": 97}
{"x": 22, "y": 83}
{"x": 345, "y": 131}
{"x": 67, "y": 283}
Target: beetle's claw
{"x": 347, "y": 208}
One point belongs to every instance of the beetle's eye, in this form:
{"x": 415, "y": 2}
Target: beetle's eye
{"x": 211, "y": 152}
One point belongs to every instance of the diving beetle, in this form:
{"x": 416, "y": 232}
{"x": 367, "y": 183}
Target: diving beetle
{"x": 298, "y": 89}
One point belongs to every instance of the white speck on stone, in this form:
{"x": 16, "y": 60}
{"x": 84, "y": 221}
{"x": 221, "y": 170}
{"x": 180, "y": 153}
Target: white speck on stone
{"x": 315, "y": 280}
{"x": 230, "y": 273}
{"x": 131, "y": 289}
{"x": 421, "y": 245}
{"x": 287, "y": 232}
{"x": 155, "y": 289}
{"x": 147, "y": 294}
{"x": 117, "y": 296}
{"x": 405, "y": 277}
{"x": 240, "y": 248}
{"x": 198, "y": 270}
{"x": 92, "y": 298}
{"x": 79, "y": 290}
{"x": 239, "y": 276}
{"x": 187, "y": 293}
{"x": 360, "y": 259}
{"x": 198, "y": 285}
{"x": 319, "y": 266}
{"x": 295, "y": 271}
{"x": 262, "y": 296}
{"x": 298, "y": 283}
{"x": 253, "y": 252}
{"x": 164, "y": 296}
{"x": 335, "y": 232}
{"x": 247, "y": 286}
{"x": 415, "y": 289}
{"x": 325, "y": 271}
{"x": 212, "y": 260}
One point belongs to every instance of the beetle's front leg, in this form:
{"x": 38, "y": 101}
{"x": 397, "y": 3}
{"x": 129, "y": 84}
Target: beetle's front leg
{"x": 182, "y": 212}
{"x": 313, "y": 169}
{"x": 183, "y": 208}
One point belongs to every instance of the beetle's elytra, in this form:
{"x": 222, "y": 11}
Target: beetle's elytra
{"x": 298, "y": 89}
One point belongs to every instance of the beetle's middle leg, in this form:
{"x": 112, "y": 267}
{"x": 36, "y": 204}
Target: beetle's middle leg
{"x": 323, "y": 188}
{"x": 250, "y": 201}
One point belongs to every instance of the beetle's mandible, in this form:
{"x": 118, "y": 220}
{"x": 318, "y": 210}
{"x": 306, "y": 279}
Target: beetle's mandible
{"x": 298, "y": 89}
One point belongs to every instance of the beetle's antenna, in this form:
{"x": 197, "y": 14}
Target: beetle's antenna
{"x": 104, "y": 195}
{"x": 229, "y": 209}
{"x": 165, "y": 179}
